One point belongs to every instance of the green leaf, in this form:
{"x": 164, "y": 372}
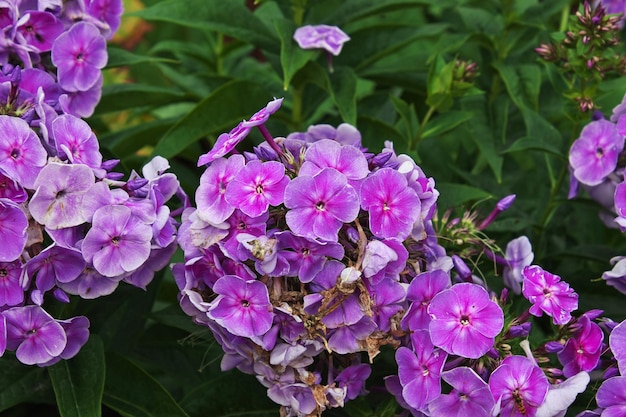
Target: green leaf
{"x": 439, "y": 89}
{"x": 522, "y": 83}
{"x": 119, "y": 57}
{"x": 528, "y": 143}
{"x": 221, "y": 110}
{"x": 292, "y": 57}
{"x": 231, "y": 18}
{"x": 357, "y": 9}
{"x": 374, "y": 130}
{"x": 128, "y": 141}
{"x": 343, "y": 89}
{"x": 20, "y": 383}
{"x": 454, "y": 195}
{"x": 445, "y": 122}
{"x": 79, "y": 382}
{"x": 118, "y": 97}
{"x": 481, "y": 21}
{"x": 408, "y": 116}
{"x": 132, "y": 392}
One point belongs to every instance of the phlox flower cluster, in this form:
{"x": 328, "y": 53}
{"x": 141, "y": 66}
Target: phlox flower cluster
{"x": 52, "y": 54}
{"x": 308, "y": 255}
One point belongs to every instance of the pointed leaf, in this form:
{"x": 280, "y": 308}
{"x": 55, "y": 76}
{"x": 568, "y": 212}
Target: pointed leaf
{"x": 119, "y": 57}
{"x": 408, "y": 117}
{"x": 528, "y": 143}
{"x": 453, "y": 195}
{"x": 131, "y": 391}
{"x": 232, "y": 18}
{"x": 79, "y": 382}
{"x": 118, "y": 97}
{"x": 445, "y": 122}
{"x": 20, "y": 383}
{"x": 343, "y": 83}
{"x": 220, "y": 111}
{"x": 292, "y": 57}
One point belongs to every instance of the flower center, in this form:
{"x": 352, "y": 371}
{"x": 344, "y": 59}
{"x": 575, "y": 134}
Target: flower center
{"x": 3, "y": 273}
{"x": 465, "y": 321}
{"x": 30, "y": 332}
{"x": 599, "y": 152}
{"x": 320, "y": 205}
{"x": 259, "y": 189}
{"x": 386, "y": 206}
{"x": 15, "y": 153}
{"x": 245, "y": 303}
{"x": 80, "y": 56}
{"x": 115, "y": 240}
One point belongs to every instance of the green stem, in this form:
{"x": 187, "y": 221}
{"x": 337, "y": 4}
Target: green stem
{"x": 420, "y": 131}
{"x": 299, "y": 6}
{"x": 296, "y": 108}
{"x": 564, "y": 18}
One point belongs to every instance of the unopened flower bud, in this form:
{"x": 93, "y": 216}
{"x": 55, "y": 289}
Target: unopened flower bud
{"x": 461, "y": 268}
{"x": 61, "y": 296}
{"x": 520, "y": 330}
{"x": 610, "y": 372}
{"x": 553, "y": 347}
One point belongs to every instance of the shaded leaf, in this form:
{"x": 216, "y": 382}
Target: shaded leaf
{"x": 292, "y": 57}
{"x": 445, "y": 122}
{"x": 131, "y": 391}
{"x": 527, "y": 143}
{"x": 79, "y": 382}
{"x": 408, "y": 117}
{"x": 20, "y": 383}
{"x": 127, "y": 141}
{"x": 118, "y": 97}
{"x": 221, "y": 110}
{"x": 454, "y": 195}
{"x": 343, "y": 82}
{"x": 119, "y": 57}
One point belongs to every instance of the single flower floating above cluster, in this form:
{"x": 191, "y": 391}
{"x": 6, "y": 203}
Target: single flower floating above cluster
{"x": 309, "y": 254}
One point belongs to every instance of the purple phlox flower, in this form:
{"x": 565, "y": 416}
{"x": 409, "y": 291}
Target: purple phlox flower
{"x": 306, "y": 256}
{"x": 345, "y": 134}
{"x": 616, "y": 277}
{"x": 519, "y": 254}
{"x": 286, "y": 354}
{"x": 34, "y": 334}
{"x": 225, "y": 143}
{"x": 384, "y": 259}
{"x": 562, "y": 395}
{"x": 108, "y": 13}
{"x": 346, "y": 159}
{"x": 392, "y": 384}
{"x": 464, "y": 320}
{"x": 118, "y": 241}
{"x": 159, "y": 258}
{"x": 34, "y": 79}
{"x": 90, "y": 284}
{"x": 21, "y": 154}
{"x": 259, "y": 118}
{"x": 346, "y": 339}
{"x": 548, "y": 294}
{"x": 11, "y": 189}
{"x": 502, "y": 205}
{"x": 320, "y": 205}
{"x": 79, "y": 54}
{"x": 297, "y": 398}
{"x": 594, "y": 155}
{"x": 264, "y": 250}
{"x": 75, "y": 139}
{"x": 582, "y": 351}
{"x": 424, "y": 187}
{"x": 353, "y": 379}
{"x": 39, "y": 29}
{"x": 13, "y": 230}
{"x": 419, "y": 370}
{"x": 421, "y": 291}
{"x": 620, "y": 204}
{"x": 242, "y": 307}
{"x": 11, "y": 283}
{"x": 330, "y": 38}
{"x": 617, "y": 342}
{"x": 612, "y": 397}
{"x": 287, "y": 326}
{"x": 195, "y": 234}
{"x": 55, "y": 264}
{"x": 387, "y": 297}
{"x": 470, "y": 395}
{"x": 58, "y": 201}
{"x": 257, "y": 186}
{"x": 210, "y": 195}
{"x": 82, "y": 103}
{"x": 464, "y": 272}
{"x": 393, "y": 207}
{"x": 520, "y": 385}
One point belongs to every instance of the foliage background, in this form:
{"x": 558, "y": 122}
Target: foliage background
{"x": 182, "y": 72}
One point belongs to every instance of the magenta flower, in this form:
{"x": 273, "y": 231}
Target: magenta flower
{"x": 58, "y": 201}
{"x": 79, "y": 54}
{"x": 582, "y": 351}
{"x": 225, "y": 143}
{"x": 326, "y": 153}
{"x": 421, "y": 291}
{"x": 393, "y": 206}
{"x": 40, "y": 29}
{"x": 13, "y": 226}
{"x": 419, "y": 370}
{"x": 612, "y": 397}
{"x": 520, "y": 385}
{"x": 11, "y": 190}
{"x": 242, "y": 307}
{"x": 330, "y": 38}
{"x": 470, "y": 395}
{"x": 108, "y": 12}
{"x": 11, "y": 276}
{"x": 464, "y": 320}
{"x": 259, "y": 118}
{"x": 257, "y": 186}
{"x": 118, "y": 241}
{"x": 548, "y": 294}
{"x": 519, "y": 254}
{"x": 33, "y": 334}
{"x": 75, "y": 139}
{"x": 320, "y": 205}
{"x": 211, "y": 193}
{"x": 617, "y": 342}
{"x": 21, "y": 154}
{"x": 594, "y": 154}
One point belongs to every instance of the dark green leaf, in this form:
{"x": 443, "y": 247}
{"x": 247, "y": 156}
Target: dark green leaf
{"x": 445, "y": 122}
{"x": 232, "y": 18}
{"x": 408, "y": 117}
{"x": 374, "y": 131}
{"x": 453, "y": 195}
{"x": 132, "y": 392}
{"x": 79, "y": 382}
{"x": 522, "y": 83}
{"x": 527, "y": 143}
{"x": 222, "y": 110}
{"x": 356, "y": 9}
{"x": 440, "y": 84}
{"x": 118, "y": 97}
{"x": 128, "y": 141}
{"x": 292, "y": 57}
{"x": 119, "y": 57}
{"x": 20, "y": 383}
{"x": 343, "y": 83}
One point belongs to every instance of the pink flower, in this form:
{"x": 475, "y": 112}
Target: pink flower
{"x": 330, "y": 38}
{"x": 548, "y": 294}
